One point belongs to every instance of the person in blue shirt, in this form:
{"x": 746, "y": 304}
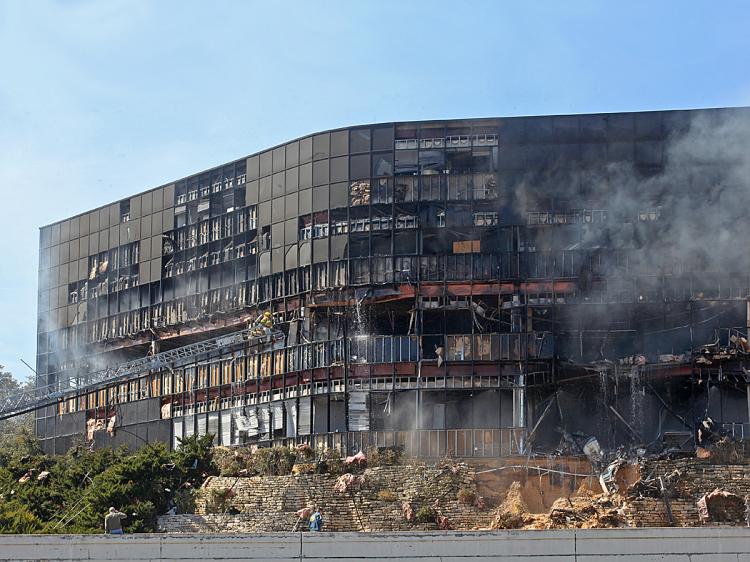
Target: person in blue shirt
{"x": 316, "y": 520}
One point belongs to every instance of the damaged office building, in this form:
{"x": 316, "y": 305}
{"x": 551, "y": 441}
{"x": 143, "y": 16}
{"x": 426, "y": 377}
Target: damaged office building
{"x": 469, "y": 288}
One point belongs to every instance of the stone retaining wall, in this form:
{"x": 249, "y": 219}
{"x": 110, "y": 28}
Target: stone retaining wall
{"x": 696, "y": 477}
{"x": 269, "y": 503}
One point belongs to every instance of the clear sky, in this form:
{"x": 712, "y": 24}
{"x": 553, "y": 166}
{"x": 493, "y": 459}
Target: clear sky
{"x": 103, "y": 99}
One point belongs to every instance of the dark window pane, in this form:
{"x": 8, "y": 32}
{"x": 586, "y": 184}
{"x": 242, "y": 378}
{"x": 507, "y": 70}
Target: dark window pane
{"x": 320, "y": 198}
{"x": 621, "y": 127}
{"x": 279, "y": 159}
{"x": 266, "y": 161}
{"x": 406, "y": 162}
{"x": 359, "y": 140}
{"x": 539, "y": 129}
{"x": 265, "y": 263}
{"x": 305, "y": 176}
{"x": 593, "y": 127}
{"x": 339, "y": 169}
{"x": 382, "y": 138}
{"x": 320, "y": 172}
{"x": 292, "y": 180}
{"x": 648, "y": 125}
{"x": 264, "y": 213}
{"x": 592, "y": 152}
{"x": 565, "y": 128}
{"x": 277, "y": 209}
{"x": 290, "y": 260}
{"x": 290, "y": 205}
{"x": 620, "y": 151}
{"x": 648, "y": 152}
{"x": 305, "y": 150}
{"x": 305, "y": 201}
{"x": 277, "y": 235}
{"x": 265, "y": 188}
{"x": 339, "y": 195}
{"x": 292, "y": 154}
{"x": 359, "y": 167}
{"x": 382, "y": 164}
{"x": 253, "y": 169}
{"x": 279, "y": 184}
{"x": 291, "y": 230}
{"x": 339, "y": 143}
{"x": 321, "y": 146}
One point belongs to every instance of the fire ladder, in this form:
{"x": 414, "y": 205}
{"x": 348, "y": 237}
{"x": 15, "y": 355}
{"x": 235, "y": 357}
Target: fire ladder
{"x": 41, "y": 397}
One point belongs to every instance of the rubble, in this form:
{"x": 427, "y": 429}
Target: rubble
{"x": 348, "y": 482}
{"x": 721, "y": 506}
{"x": 359, "y": 460}
{"x": 586, "y": 511}
{"x": 513, "y": 512}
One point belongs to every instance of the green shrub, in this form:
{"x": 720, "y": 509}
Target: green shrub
{"x": 184, "y": 500}
{"x": 466, "y": 496}
{"x": 425, "y": 514}
{"x": 16, "y": 518}
{"x": 387, "y": 496}
{"x": 330, "y": 462}
{"x": 218, "y": 499}
{"x": 384, "y": 456}
{"x": 274, "y": 461}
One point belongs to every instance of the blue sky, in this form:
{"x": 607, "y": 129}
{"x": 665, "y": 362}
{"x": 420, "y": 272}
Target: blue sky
{"x": 100, "y": 100}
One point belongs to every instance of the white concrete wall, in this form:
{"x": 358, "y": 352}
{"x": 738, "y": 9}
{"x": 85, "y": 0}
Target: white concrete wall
{"x": 605, "y": 545}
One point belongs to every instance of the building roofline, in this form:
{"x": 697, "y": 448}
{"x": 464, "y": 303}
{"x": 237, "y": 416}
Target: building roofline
{"x": 385, "y": 123}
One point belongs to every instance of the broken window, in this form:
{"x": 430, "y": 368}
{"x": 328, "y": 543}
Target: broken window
{"x": 407, "y": 162}
{"x": 406, "y": 189}
{"x": 485, "y": 218}
{"x": 382, "y": 190}
{"x": 125, "y": 210}
{"x": 305, "y": 227}
{"x": 649, "y": 214}
{"x": 320, "y": 225}
{"x": 359, "y": 193}
{"x": 434, "y": 187}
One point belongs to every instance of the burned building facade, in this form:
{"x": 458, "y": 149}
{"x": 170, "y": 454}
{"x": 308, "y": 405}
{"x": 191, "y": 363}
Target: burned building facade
{"x": 477, "y": 287}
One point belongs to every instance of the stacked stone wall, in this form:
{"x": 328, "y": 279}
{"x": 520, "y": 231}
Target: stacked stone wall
{"x": 269, "y": 503}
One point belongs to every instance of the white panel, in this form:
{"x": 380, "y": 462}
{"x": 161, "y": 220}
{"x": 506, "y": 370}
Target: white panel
{"x": 290, "y": 407}
{"x": 201, "y": 424}
{"x": 304, "y": 415}
{"x": 177, "y": 425}
{"x": 189, "y": 425}
{"x": 264, "y": 421}
{"x": 213, "y": 426}
{"x": 278, "y": 415}
{"x": 359, "y": 412}
{"x": 226, "y": 427}
{"x": 254, "y": 420}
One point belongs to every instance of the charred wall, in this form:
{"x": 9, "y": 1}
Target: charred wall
{"x": 427, "y": 276}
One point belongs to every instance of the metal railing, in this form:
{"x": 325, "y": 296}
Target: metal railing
{"x": 42, "y": 396}
{"x": 736, "y": 430}
{"x": 430, "y": 443}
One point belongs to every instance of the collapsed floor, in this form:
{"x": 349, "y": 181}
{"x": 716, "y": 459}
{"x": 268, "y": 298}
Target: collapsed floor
{"x": 515, "y": 493}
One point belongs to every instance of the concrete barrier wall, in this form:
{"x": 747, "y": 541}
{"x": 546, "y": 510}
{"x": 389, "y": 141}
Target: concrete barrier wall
{"x": 605, "y": 545}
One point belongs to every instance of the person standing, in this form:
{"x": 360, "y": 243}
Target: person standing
{"x": 113, "y": 522}
{"x": 316, "y": 520}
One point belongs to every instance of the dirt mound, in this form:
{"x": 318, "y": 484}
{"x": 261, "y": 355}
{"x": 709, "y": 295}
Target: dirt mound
{"x": 586, "y": 510}
{"x": 512, "y": 513}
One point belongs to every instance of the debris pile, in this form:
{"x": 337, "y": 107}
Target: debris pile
{"x": 585, "y": 510}
{"x": 513, "y": 513}
{"x": 721, "y": 506}
{"x": 349, "y": 482}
